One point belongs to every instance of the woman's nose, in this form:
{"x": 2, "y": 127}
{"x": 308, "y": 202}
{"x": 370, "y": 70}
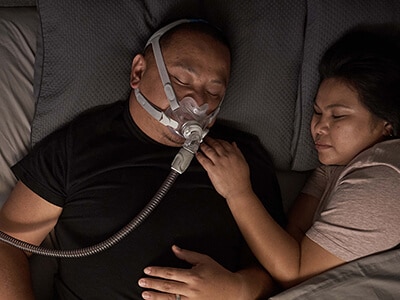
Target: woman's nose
{"x": 320, "y": 124}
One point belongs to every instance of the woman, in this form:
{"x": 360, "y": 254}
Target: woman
{"x": 349, "y": 208}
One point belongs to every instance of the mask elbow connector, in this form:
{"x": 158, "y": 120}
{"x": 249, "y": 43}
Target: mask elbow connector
{"x": 193, "y": 134}
{"x": 182, "y": 160}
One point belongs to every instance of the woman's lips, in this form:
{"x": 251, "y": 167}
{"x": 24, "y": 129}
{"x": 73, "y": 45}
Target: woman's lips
{"x": 322, "y": 147}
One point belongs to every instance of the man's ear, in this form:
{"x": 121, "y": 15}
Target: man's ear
{"x": 138, "y": 67}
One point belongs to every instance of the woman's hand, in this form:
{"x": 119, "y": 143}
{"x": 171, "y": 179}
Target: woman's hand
{"x": 226, "y": 167}
{"x": 205, "y": 280}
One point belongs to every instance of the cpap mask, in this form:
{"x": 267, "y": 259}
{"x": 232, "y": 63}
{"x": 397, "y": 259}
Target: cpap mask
{"x": 184, "y": 117}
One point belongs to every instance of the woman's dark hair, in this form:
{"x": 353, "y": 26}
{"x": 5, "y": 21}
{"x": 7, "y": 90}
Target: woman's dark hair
{"x": 367, "y": 58}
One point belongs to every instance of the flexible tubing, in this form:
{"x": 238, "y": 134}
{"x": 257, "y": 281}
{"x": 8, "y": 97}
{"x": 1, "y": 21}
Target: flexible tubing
{"x": 108, "y": 243}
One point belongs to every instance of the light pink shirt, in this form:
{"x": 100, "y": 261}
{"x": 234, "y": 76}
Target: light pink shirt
{"x": 359, "y": 211}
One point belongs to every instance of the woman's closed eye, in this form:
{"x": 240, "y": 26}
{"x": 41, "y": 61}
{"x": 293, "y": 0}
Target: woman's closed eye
{"x": 337, "y": 116}
{"x": 316, "y": 112}
{"x": 333, "y": 114}
{"x": 339, "y": 113}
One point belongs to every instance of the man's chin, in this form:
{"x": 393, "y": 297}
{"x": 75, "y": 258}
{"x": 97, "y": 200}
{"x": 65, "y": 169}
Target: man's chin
{"x": 175, "y": 138}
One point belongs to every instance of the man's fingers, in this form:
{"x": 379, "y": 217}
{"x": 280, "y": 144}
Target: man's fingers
{"x": 166, "y": 273}
{"x": 165, "y": 286}
{"x": 194, "y": 258}
{"x": 160, "y": 296}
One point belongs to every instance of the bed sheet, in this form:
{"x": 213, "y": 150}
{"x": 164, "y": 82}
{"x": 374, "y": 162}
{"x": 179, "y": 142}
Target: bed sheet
{"x": 18, "y": 28}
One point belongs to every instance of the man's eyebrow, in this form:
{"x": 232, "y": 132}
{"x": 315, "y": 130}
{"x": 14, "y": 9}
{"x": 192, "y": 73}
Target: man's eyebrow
{"x": 218, "y": 81}
{"x": 185, "y": 67}
{"x": 189, "y": 69}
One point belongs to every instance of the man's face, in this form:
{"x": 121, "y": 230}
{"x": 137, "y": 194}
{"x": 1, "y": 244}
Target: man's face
{"x": 198, "y": 67}
{"x": 342, "y": 126}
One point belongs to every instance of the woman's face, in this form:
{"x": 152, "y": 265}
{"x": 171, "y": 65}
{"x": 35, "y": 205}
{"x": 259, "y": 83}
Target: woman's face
{"x": 341, "y": 125}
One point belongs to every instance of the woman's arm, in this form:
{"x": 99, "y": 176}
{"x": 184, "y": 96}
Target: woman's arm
{"x": 300, "y": 216}
{"x": 289, "y": 258}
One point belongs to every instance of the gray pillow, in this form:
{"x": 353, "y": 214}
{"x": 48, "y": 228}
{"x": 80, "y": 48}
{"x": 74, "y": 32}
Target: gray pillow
{"x": 86, "y": 50}
{"x": 326, "y": 21}
{"x": 85, "y": 53}
{"x": 17, "y": 3}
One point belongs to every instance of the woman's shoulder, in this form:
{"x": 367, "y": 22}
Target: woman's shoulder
{"x": 386, "y": 152}
{"x": 384, "y": 156}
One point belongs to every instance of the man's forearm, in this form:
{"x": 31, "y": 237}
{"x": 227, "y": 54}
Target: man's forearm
{"x": 15, "y": 280}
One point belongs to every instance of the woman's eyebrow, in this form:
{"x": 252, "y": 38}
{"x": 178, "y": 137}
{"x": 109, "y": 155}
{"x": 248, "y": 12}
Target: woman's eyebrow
{"x": 337, "y": 105}
{"x": 333, "y": 105}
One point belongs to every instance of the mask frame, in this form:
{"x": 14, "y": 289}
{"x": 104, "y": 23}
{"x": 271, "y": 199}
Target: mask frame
{"x": 161, "y": 116}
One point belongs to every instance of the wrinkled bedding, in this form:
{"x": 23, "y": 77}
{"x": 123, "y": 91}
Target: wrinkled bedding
{"x": 373, "y": 277}
{"x": 17, "y": 54}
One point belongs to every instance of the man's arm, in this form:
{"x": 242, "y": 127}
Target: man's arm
{"x": 205, "y": 280}
{"x": 28, "y": 217}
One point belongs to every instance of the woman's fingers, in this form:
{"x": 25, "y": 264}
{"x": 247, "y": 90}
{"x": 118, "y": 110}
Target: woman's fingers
{"x": 215, "y": 147}
{"x": 225, "y": 165}
{"x": 215, "y": 152}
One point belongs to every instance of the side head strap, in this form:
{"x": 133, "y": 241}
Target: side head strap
{"x": 154, "y": 40}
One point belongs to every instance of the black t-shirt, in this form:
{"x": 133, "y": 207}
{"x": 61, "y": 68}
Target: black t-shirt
{"x": 103, "y": 170}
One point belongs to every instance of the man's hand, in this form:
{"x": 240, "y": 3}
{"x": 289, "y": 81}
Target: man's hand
{"x": 205, "y": 280}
